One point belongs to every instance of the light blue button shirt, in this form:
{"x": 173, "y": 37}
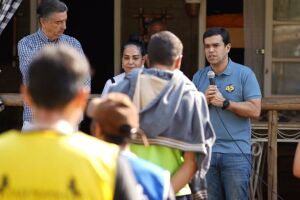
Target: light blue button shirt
{"x": 29, "y": 46}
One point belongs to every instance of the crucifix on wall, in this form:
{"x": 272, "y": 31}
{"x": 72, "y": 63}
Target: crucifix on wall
{"x": 151, "y": 23}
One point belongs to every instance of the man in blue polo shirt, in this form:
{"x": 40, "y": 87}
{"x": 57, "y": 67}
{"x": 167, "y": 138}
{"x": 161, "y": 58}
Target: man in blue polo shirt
{"x": 233, "y": 97}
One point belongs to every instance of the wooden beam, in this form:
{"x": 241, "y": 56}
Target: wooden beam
{"x": 15, "y": 99}
{"x": 281, "y": 103}
{"x": 272, "y": 155}
{"x": 11, "y": 99}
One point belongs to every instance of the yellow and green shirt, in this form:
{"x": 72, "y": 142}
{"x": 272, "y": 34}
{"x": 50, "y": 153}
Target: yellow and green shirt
{"x": 168, "y": 158}
{"x": 48, "y": 165}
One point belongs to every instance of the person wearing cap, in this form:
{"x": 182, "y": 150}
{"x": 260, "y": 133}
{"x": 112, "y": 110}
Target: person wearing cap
{"x": 52, "y": 160}
{"x": 173, "y": 114}
{"x": 115, "y": 119}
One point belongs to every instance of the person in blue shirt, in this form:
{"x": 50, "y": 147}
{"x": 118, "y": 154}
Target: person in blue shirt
{"x": 116, "y": 120}
{"x": 52, "y": 16}
{"x": 173, "y": 115}
{"x": 233, "y": 100}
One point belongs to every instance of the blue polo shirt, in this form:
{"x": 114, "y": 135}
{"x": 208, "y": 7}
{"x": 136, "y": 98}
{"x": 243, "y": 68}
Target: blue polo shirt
{"x": 237, "y": 83}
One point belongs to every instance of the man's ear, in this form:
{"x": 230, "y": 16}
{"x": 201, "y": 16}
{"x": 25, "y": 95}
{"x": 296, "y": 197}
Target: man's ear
{"x": 26, "y": 95}
{"x": 147, "y": 60}
{"x": 98, "y": 131}
{"x": 178, "y": 62}
{"x": 82, "y": 98}
{"x": 228, "y": 47}
{"x": 42, "y": 21}
{"x": 143, "y": 60}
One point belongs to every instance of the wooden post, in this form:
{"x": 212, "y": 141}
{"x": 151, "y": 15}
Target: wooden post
{"x": 272, "y": 154}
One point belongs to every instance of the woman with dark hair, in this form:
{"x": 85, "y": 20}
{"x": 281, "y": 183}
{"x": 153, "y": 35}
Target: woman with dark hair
{"x": 133, "y": 56}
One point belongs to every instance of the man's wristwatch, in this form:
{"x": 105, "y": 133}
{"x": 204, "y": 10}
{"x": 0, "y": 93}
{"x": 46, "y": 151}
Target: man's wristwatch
{"x": 226, "y": 104}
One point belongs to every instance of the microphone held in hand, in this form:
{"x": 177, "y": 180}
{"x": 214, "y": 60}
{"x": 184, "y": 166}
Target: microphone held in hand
{"x": 211, "y": 77}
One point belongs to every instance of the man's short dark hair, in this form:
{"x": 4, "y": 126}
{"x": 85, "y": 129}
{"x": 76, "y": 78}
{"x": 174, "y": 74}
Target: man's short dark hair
{"x": 56, "y": 75}
{"x": 218, "y": 31}
{"x": 47, "y": 7}
{"x": 164, "y": 47}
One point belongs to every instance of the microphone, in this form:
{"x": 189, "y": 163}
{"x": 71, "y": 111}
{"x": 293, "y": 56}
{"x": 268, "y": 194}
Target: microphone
{"x": 211, "y": 77}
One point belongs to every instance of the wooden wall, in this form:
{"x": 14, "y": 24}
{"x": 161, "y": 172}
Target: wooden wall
{"x": 185, "y": 27}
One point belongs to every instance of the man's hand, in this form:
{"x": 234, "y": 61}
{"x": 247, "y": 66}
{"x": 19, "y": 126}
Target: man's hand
{"x": 214, "y": 96}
